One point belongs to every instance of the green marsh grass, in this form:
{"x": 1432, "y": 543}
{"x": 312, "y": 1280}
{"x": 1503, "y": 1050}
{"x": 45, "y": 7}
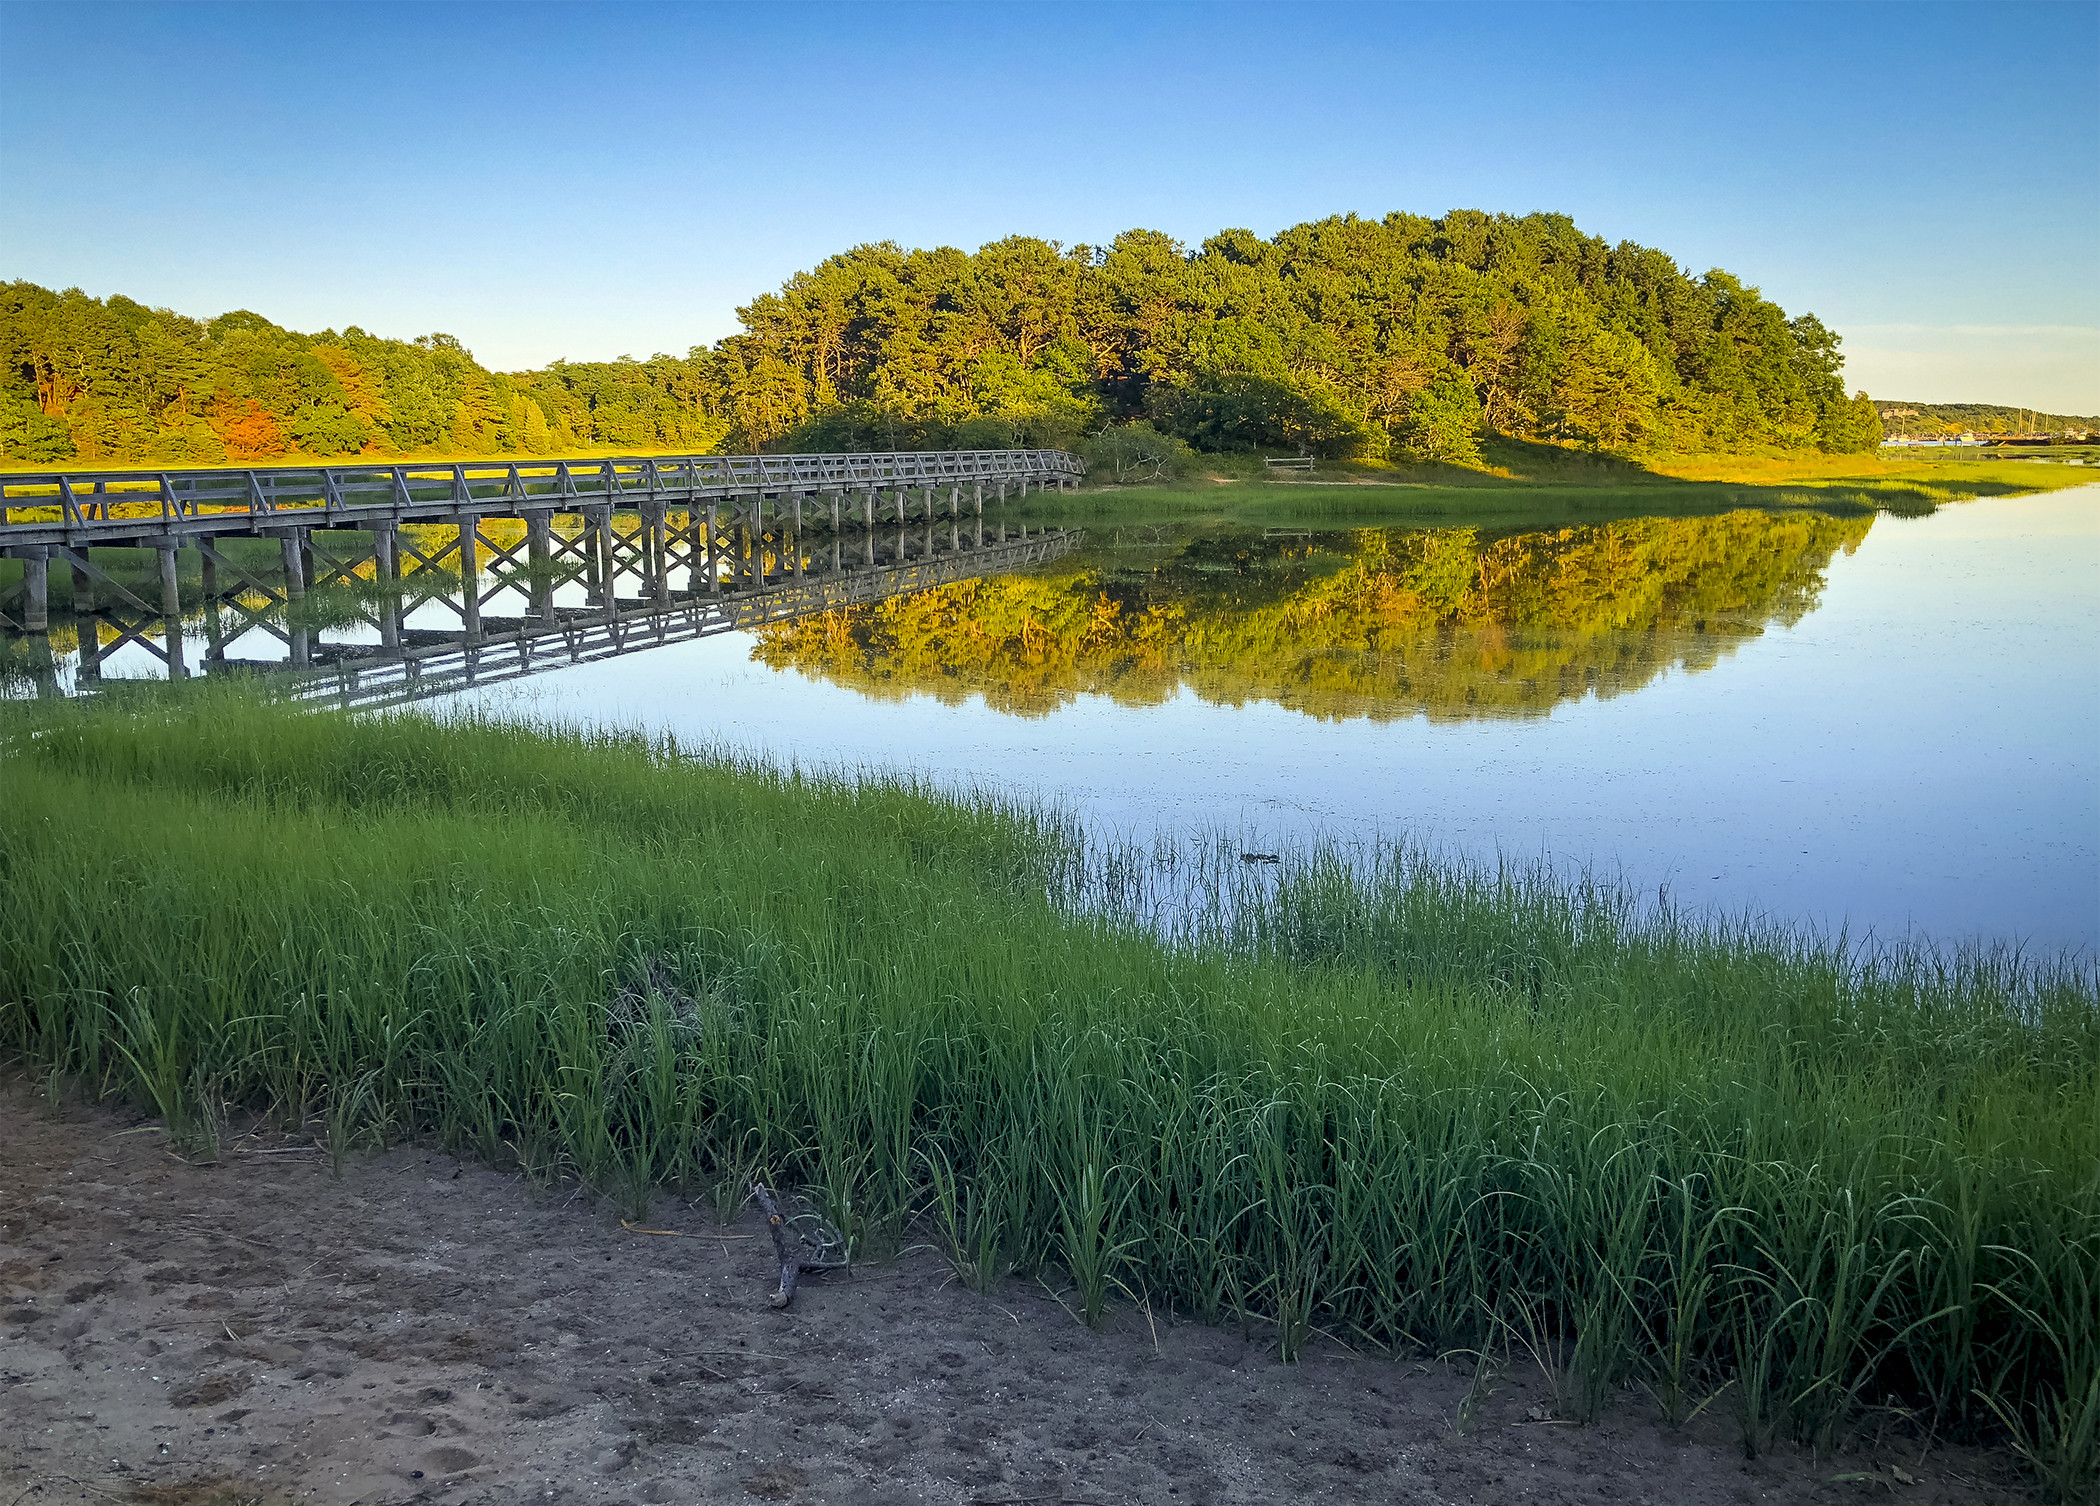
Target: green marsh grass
{"x": 1538, "y": 484}
{"x": 1399, "y": 1100}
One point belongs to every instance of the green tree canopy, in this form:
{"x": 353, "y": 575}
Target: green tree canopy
{"x": 1344, "y": 336}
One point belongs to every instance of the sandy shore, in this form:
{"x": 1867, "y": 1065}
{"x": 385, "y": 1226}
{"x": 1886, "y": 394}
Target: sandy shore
{"x": 429, "y": 1330}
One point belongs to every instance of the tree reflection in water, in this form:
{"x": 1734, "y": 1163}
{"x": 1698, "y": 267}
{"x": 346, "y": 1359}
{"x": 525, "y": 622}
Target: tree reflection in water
{"x": 1375, "y": 623}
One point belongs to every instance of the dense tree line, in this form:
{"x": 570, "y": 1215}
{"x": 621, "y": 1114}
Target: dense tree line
{"x": 1345, "y": 336}
{"x": 112, "y": 380}
{"x": 1341, "y": 337}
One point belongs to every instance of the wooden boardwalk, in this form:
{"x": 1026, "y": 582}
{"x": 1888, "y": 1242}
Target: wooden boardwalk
{"x": 702, "y": 544}
{"x": 697, "y": 503}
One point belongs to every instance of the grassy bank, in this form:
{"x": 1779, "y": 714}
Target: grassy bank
{"x": 1535, "y": 484}
{"x": 1427, "y": 1107}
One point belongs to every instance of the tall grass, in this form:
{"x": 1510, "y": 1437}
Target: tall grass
{"x": 1416, "y": 1103}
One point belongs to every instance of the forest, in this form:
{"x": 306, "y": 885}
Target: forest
{"x": 1343, "y": 338}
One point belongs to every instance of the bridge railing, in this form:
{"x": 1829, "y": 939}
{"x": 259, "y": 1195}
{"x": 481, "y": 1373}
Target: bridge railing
{"x": 74, "y": 506}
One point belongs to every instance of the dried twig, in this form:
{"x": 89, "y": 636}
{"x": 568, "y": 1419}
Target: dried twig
{"x": 680, "y": 1233}
{"x": 803, "y": 1243}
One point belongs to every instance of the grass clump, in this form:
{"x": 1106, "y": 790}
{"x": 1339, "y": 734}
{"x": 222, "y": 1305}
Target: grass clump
{"x": 1413, "y": 1102}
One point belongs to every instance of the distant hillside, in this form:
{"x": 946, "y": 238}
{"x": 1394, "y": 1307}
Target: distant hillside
{"x": 1930, "y": 420}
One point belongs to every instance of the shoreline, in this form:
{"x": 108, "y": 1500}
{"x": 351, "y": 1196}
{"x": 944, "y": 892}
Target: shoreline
{"x": 1391, "y": 1110}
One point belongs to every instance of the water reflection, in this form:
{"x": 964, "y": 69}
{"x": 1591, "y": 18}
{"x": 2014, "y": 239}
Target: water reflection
{"x": 1378, "y": 623}
{"x": 364, "y": 618}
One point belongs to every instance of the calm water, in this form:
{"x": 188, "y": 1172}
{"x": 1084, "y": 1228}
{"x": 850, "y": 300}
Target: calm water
{"x": 1886, "y": 724}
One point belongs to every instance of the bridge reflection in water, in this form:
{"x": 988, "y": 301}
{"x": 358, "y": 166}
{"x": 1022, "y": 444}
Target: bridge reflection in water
{"x": 496, "y": 578}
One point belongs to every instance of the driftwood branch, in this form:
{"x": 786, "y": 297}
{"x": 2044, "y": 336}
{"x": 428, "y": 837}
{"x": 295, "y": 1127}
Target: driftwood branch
{"x": 803, "y": 1243}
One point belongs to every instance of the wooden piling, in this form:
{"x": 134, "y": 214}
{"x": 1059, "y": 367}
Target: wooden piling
{"x": 714, "y": 571}
{"x": 386, "y": 565}
{"x": 43, "y": 666}
{"x": 470, "y": 576}
{"x": 171, "y": 609}
{"x": 36, "y": 586}
{"x": 660, "y": 555}
{"x": 292, "y": 542}
{"x": 208, "y": 569}
{"x": 604, "y": 570}
{"x": 89, "y": 632}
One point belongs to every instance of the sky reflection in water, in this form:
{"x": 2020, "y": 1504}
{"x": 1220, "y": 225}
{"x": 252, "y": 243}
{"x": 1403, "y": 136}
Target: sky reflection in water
{"x": 1890, "y": 727}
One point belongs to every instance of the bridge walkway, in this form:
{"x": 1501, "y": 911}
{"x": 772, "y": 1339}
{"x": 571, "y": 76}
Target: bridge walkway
{"x": 705, "y": 513}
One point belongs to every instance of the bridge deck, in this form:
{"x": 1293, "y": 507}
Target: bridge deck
{"x": 76, "y": 508}
{"x": 688, "y": 570}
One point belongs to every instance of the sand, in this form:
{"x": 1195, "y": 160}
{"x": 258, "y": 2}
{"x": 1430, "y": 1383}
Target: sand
{"x": 427, "y": 1329}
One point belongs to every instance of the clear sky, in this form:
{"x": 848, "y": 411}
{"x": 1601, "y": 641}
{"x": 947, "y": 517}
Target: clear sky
{"x": 596, "y": 180}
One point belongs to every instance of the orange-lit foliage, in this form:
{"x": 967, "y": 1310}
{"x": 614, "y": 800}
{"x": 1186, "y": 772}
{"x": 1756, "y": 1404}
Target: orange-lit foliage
{"x": 247, "y": 429}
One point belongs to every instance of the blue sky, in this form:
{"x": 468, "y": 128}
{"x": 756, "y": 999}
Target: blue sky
{"x": 596, "y": 180}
